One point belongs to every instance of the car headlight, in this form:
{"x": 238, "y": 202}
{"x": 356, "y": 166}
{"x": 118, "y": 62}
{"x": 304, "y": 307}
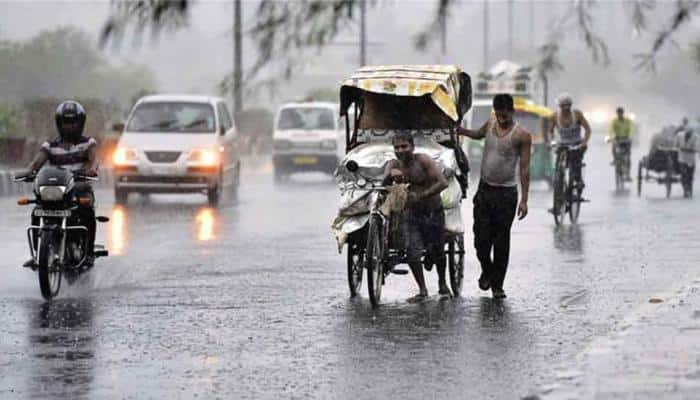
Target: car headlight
{"x": 52, "y": 193}
{"x": 329, "y": 144}
{"x": 282, "y": 144}
{"x": 205, "y": 157}
{"x": 361, "y": 182}
{"x": 124, "y": 155}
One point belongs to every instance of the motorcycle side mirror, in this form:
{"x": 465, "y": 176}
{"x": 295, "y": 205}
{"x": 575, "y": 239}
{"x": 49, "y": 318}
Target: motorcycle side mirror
{"x": 352, "y": 166}
{"x": 118, "y": 127}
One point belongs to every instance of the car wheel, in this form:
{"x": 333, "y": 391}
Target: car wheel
{"x": 214, "y": 194}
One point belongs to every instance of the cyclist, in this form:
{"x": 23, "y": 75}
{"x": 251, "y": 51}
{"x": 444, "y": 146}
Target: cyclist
{"x": 621, "y": 130}
{"x": 569, "y": 122}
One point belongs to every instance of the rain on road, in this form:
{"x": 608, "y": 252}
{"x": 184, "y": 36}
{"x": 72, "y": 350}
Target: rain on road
{"x": 250, "y": 300}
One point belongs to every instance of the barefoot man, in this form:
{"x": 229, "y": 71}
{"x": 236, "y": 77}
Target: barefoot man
{"x": 425, "y": 218}
{"x": 507, "y": 147}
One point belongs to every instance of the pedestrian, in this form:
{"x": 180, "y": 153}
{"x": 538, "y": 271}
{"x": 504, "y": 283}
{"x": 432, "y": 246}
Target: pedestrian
{"x": 688, "y": 145}
{"x": 507, "y": 147}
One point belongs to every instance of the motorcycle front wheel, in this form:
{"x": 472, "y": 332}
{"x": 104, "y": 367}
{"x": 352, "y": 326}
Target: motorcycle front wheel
{"x": 49, "y": 277}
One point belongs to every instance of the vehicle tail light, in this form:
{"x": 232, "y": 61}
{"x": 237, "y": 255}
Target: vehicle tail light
{"x": 23, "y": 201}
{"x": 84, "y": 201}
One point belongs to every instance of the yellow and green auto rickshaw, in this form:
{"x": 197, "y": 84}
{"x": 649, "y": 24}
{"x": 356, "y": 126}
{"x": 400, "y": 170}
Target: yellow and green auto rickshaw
{"x": 535, "y": 119}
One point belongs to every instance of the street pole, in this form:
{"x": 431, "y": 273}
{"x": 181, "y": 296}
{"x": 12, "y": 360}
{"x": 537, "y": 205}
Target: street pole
{"x": 485, "y": 57}
{"x": 532, "y": 24}
{"x": 363, "y": 33}
{"x": 510, "y": 30}
{"x": 237, "y": 58}
{"x": 443, "y": 36}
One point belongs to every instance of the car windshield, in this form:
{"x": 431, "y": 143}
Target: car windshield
{"x": 306, "y": 118}
{"x": 173, "y": 117}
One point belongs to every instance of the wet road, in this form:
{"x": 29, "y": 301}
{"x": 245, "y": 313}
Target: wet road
{"x": 250, "y": 301}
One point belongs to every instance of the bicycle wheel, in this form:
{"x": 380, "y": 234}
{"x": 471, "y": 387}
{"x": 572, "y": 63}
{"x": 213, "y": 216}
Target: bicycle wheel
{"x": 559, "y": 197}
{"x": 374, "y": 256}
{"x": 574, "y": 197}
{"x": 455, "y": 249}
{"x": 619, "y": 178}
{"x": 639, "y": 179}
{"x": 355, "y": 264}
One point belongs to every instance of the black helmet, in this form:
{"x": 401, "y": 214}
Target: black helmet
{"x": 70, "y": 120}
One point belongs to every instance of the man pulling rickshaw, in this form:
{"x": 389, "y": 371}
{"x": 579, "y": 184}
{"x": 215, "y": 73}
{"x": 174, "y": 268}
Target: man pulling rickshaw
{"x": 424, "y": 217}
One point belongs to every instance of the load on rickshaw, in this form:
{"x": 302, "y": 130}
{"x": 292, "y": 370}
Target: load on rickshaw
{"x": 428, "y": 102}
{"x": 661, "y": 164}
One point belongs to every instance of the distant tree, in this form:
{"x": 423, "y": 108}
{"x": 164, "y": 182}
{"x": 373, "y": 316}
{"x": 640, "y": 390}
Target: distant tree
{"x": 65, "y": 62}
{"x": 10, "y": 120}
{"x": 283, "y": 30}
{"x": 323, "y": 94}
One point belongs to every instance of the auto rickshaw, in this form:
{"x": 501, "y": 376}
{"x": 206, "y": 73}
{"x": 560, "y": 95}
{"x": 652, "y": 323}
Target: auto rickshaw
{"x": 377, "y": 102}
{"x": 535, "y": 119}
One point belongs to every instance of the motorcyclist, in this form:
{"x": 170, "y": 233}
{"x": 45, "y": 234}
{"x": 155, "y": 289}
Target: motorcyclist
{"x": 620, "y": 132}
{"x": 78, "y": 153}
{"x": 569, "y": 122}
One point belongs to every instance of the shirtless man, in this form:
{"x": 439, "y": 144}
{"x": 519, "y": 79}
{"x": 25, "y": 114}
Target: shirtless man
{"x": 424, "y": 216}
{"x": 507, "y": 147}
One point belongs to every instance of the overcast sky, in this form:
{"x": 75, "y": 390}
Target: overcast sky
{"x": 196, "y": 59}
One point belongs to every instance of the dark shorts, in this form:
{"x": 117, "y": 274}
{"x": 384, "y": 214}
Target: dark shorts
{"x": 425, "y": 232}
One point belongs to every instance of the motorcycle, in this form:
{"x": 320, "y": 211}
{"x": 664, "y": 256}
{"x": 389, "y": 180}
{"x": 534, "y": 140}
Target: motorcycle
{"x": 58, "y": 244}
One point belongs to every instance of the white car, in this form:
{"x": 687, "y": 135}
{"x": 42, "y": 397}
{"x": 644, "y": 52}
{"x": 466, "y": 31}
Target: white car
{"x": 308, "y": 136}
{"x": 177, "y": 144}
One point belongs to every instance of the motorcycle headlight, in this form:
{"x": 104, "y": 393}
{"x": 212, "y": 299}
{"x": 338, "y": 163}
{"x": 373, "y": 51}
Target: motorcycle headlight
{"x": 329, "y": 144}
{"x": 52, "y": 193}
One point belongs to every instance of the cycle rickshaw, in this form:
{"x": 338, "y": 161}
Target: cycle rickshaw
{"x": 377, "y": 102}
{"x": 660, "y": 165}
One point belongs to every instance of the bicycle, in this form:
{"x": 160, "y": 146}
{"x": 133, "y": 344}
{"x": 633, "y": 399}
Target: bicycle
{"x": 567, "y": 183}
{"x": 621, "y": 149}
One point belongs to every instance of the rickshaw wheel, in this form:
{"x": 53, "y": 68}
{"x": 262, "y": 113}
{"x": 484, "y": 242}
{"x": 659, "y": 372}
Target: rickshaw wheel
{"x": 355, "y": 264}
{"x": 639, "y": 179}
{"x": 374, "y": 260}
{"x": 455, "y": 249}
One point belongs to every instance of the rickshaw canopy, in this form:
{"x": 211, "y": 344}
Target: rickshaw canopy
{"x": 408, "y": 96}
